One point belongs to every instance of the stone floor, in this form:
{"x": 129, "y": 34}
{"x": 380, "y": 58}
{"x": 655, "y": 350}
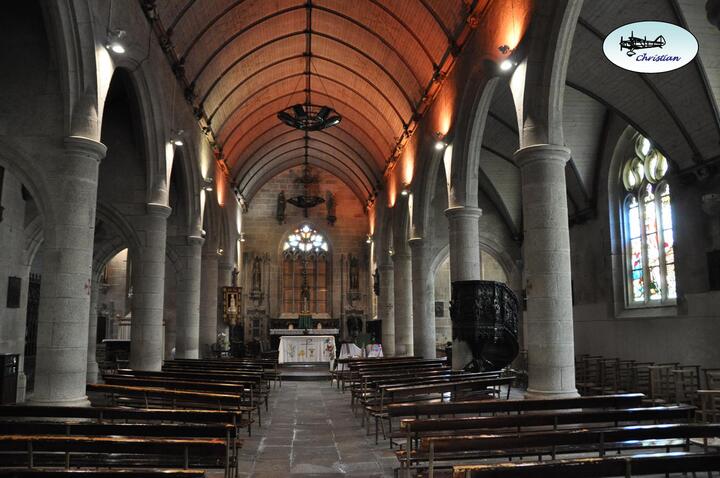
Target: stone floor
{"x": 311, "y": 431}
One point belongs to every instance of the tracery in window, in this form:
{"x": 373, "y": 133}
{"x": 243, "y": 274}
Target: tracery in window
{"x": 648, "y": 228}
{"x": 305, "y": 272}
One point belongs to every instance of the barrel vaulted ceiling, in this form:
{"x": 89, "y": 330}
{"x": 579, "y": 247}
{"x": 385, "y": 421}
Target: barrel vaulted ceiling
{"x": 373, "y": 61}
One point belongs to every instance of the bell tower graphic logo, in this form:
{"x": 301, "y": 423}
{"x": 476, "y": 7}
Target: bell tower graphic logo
{"x": 650, "y": 47}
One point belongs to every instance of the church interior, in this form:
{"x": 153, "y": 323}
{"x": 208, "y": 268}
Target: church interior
{"x": 427, "y": 238}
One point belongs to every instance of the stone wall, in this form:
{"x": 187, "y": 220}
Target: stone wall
{"x": 264, "y": 236}
{"x": 686, "y": 332}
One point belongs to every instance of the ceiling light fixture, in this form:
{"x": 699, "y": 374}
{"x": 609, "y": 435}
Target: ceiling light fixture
{"x": 309, "y": 117}
{"x": 114, "y": 41}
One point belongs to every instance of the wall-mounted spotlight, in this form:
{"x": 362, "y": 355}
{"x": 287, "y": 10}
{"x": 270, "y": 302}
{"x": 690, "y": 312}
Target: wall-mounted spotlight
{"x": 242, "y": 237}
{"x": 508, "y": 63}
{"x": 114, "y": 41}
{"x": 369, "y": 239}
{"x": 404, "y": 191}
{"x": 208, "y": 184}
{"x": 440, "y": 143}
{"x": 220, "y": 251}
{"x": 176, "y": 137}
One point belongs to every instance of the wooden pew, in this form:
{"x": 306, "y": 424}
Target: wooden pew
{"x": 628, "y": 466}
{"x": 115, "y": 473}
{"x": 225, "y": 432}
{"x": 166, "y": 398}
{"x": 476, "y": 407}
{"x": 434, "y": 450}
{"x": 29, "y": 450}
{"x": 412, "y": 429}
{"x": 389, "y": 394}
{"x": 244, "y": 390}
{"x": 356, "y": 369}
{"x": 144, "y": 415}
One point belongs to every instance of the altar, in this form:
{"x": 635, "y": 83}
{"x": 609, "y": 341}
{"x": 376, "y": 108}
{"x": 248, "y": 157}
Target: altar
{"x": 307, "y": 348}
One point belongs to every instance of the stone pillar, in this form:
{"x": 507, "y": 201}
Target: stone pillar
{"x": 188, "y": 300}
{"x": 93, "y": 371}
{"x": 423, "y": 300}
{"x": 61, "y": 368}
{"x": 148, "y": 278}
{"x": 549, "y": 316}
{"x": 464, "y": 246}
{"x": 208, "y": 302}
{"x": 385, "y": 307}
{"x": 402, "y": 267}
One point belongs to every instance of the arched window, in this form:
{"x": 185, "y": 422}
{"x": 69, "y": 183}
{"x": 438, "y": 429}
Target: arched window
{"x": 648, "y": 228}
{"x": 305, "y": 272}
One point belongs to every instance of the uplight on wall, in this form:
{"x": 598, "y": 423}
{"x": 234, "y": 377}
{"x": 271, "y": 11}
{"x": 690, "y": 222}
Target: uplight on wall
{"x": 114, "y": 41}
{"x": 176, "y": 137}
{"x": 508, "y": 63}
{"x": 369, "y": 239}
{"x": 208, "y": 186}
{"x": 440, "y": 143}
{"x": 404, "y": 191}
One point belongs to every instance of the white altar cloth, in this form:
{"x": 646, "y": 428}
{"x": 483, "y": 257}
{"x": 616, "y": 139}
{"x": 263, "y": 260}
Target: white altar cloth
{"x": 307, "y": 348}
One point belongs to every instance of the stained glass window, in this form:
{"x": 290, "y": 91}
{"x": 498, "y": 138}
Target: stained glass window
{"x": 648, "y": 227}
{"x": 305, "y": 272}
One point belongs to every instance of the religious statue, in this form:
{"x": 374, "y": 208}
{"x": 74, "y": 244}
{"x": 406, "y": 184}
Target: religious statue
{"x": 354, "y": 272}
{"x": 280, "y": 210}
{"x": 330, "y": 205}
{"x": 257, "y": 274}
{"x": 376, "y": 282}
{"x": 234, "y": 279}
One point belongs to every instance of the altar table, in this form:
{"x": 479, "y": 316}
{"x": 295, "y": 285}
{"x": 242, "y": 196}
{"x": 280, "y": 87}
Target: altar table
{"x": 307, "y": 348}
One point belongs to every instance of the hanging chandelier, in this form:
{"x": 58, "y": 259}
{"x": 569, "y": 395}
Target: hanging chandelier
{"x": 309, "y": 117}
{"x": 311, "y": 184}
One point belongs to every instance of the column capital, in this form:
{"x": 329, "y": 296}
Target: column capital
{"x": 86, "y": 146}
{"x": 386, "y": 267}
{"x": 541, "y": 153}
{"x": 195, "y": 240}
{"x": 415, "y": 242}
{"x": 158, "y": 210}
{"x": 463, "y": 212}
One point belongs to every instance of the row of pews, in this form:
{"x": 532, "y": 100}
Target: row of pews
{"x": 180, "y": 421}
{"x": 444, "y": 428}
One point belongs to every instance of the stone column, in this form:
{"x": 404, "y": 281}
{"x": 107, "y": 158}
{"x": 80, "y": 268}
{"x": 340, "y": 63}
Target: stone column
{"x": 188, "y": 300}
{"x": 61, "y": 368}
{"x": 148, "y": 278}
{"x": 423, "y": 300}
{"x": 93, "y": 370}
{"x": 385, "y": 307}
{"x": 402, "y": 266}
{"x": 464, "y": 246}
{"x": 208, "y": 302}
{"x": 549, "y": 316}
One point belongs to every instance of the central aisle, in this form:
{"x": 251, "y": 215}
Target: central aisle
{"x": 311, "y": 431}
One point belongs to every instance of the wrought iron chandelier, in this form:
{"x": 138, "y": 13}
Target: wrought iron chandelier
{"x": 308, "y": 116}
{"x": 311, "y": 195}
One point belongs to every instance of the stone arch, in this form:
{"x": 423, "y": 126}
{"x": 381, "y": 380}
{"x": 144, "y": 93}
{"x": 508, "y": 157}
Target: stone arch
{"x": 539, "y": 81}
